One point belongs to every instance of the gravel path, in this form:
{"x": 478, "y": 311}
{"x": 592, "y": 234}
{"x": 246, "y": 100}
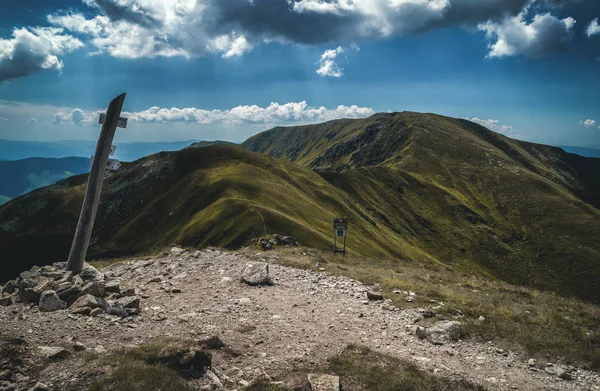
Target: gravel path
{"x": 303, "y": 319}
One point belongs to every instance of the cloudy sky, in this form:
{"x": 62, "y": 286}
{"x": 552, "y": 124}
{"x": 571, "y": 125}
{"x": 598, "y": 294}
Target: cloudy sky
{"x": 226, "y": 69}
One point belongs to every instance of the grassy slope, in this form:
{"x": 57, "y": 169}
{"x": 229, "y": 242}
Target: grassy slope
{"x": 205, "y": 196}
{"x": 469, "y": 197}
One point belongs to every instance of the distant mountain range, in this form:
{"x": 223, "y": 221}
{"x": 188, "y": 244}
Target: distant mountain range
{"x": 18, "y": 177}
{"x": 16, "y": 150}
{"x": 421, "y": 188}
{"x": 583, "y": 151}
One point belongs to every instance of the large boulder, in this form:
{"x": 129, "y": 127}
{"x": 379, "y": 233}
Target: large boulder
{"x": 49, "y": 301}
{"x": 440, "y": 333}
{"x": 256, "y": 273}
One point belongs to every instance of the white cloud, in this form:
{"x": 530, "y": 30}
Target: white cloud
{"x": 76, "y": 116}
{"x": 494, "y": 125}
{"x": 513, "y": 36}
{"x": 32, "y": 120}
{"x": 2, "y": 119}
{"x": 34, "y": 49}
{"x": 593, "y": 28}
{"x": 588, "y": 123}
{"x": 327, "y": 64}
{"x": 275, "y": 113}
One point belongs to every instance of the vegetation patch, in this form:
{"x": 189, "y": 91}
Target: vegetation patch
{"x": 162, "y": 364}
{"x": 361, "y": 369}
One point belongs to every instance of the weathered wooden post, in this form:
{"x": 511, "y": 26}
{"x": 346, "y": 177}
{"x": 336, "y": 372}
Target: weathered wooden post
{"x": 340, "y": 226}
{"x": 100, "y": 163}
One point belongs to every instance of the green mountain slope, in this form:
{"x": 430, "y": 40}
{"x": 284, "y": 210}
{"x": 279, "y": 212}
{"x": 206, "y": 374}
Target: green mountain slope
{"x": 416, "y": 188}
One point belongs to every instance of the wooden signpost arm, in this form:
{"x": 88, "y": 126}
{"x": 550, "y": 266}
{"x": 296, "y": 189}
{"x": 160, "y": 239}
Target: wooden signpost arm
{"x": 89, "y": 208}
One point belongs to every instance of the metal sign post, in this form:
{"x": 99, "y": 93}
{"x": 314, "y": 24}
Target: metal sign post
{"x": 100, "y": 162}
{"x": 340, "y": 226}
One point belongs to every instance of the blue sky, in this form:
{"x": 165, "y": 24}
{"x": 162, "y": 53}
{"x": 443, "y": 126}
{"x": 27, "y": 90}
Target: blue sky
{"x": 227, "y": 69}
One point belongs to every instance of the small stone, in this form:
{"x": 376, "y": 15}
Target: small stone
{"x": 175, "y": 290}
{"x": 129, "y": 302}
{"x": 54, "y": 352}
{"x": 155, "y": 279}
{"x": 117, "y": 310}
{"x": 70, "y": 293}
{"x": 374, "y": 296}
{"x": 77, "y": 280}
{"x": 96, "y": 311}
{"x": 481, "y": 319}
{"x": 531, "y": 362}
{"x": 9, "y": 287}
{"x": 39, "y": 387}
{"x": 324, "y": 382}
{"x": 113, "y": 287}
{"x": 79, "y": 347}
{"x": 94, "y": 288}
{"x": 128, "y": 292}
{"x": 49, "y": 301}
{"x": 88, "y": 301}
{"x": 90, "y": 273}
{"x": 6, "y": 301}
{"x": 63, "y": 286}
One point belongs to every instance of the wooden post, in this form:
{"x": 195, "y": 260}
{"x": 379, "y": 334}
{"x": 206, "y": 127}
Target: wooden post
{"x": 89, "y": 208}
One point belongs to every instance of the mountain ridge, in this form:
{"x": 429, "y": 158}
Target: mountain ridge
{"x": 416, "y": 188}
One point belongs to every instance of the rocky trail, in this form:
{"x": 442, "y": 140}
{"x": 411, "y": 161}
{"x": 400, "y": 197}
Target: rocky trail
{"x": 300, "y": 320}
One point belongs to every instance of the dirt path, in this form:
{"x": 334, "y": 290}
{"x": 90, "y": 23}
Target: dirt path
{"x": 303, "y": 319}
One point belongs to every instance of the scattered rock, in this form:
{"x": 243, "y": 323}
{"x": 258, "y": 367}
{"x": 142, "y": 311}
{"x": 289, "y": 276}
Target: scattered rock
{"x": 90, "y": 273}
{"x": 256, "y": 273}
{"x": 129, "y": 302}
{"x": 324, "y": 382}
{"x": 96, "y": 311}
{"x": 39, "y": 387}
{"x": 559, "y": 371}
{"x": 88, "y": 301}
{"x": 79, "y": 347}
{"x": 70, "y": 293}
{"x": 117, "y": 310}
{"x": 440, "y": 333}
{"x": 94, "y": 288}
{"x": 49, "y": 301}
{"x": 112, "y": 287}
{"x": 214, "y": 379}
{"x": 177, "y": 251}
{"x": 9, "y": 287}
{"x": 374, "y": 296}
{"x": 6, "y": 301}
{"x": 54, "y": 352}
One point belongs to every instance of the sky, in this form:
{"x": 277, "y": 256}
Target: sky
{"x": 228, "y": 69}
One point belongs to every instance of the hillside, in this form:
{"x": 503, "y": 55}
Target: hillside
{"x": 416, "y": 188}
{"x": 22, "y": 176}
{"x": 3, "y": 199}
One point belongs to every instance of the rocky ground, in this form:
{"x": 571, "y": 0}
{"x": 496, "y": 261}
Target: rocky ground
{"x": 300, "y": 320}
